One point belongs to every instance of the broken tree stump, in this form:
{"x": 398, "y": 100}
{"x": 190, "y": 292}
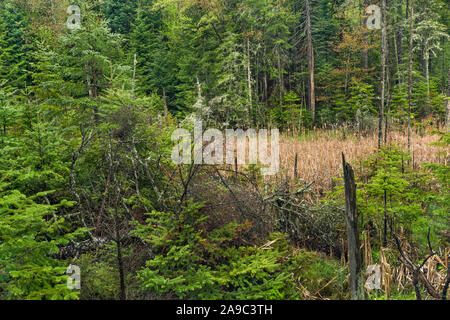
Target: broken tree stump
{"x": 354, "y": 254}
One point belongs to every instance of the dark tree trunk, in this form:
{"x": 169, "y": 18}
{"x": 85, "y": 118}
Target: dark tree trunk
{"x": 399, "y": 37}
{"x": 383, "y": 74}
{"x": 354, "y": 254}
{"x": 312, "y": 93}
{"x": 411, "y": 27}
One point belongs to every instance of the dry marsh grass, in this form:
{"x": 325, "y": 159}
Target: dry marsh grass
{"x": 320, "y": 154}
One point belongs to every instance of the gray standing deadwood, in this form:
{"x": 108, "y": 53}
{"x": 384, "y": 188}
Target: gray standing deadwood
{"x": 410, "y": 74}
{"x": 354, "y": 255}
{"x": 312, "y": 92}
{"x": 383, "y": 73}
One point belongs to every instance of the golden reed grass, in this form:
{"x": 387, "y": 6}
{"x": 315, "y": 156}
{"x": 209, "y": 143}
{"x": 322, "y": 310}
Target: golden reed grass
{"x": 320, "y": 154}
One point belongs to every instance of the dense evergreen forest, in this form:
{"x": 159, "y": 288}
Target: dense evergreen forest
{"x": 93, "y": 206}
